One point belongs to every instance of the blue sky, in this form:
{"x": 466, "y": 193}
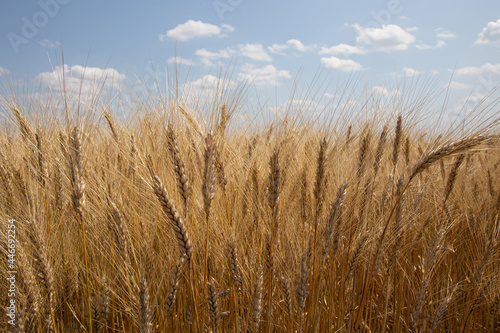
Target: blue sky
{"x": 269, "y": 45}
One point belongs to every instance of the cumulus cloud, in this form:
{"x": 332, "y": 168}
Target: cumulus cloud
{"x": 49, "y": 44}
{"x": 254, "y": 51}
{"x": 180, "y": 61}
{"x": 207, "y": 57}
{"x": 387, "y": 39}
{"x": 3, "y": 71}
{"x": 439, "y": 43}
{"x": 292, "y": 44}
{"x": 86, "y": 78}
{"x": 191, "y": 29}
{"x": 484, "y": 69}
{"x": 444, "y": 34}
{"x": 205, "y": 89}
{"x": 211, "y": 84}
{"x": 457, "y": 85}
{"x": 341, "y": 65}
{"x": 264, "y": 76}
{"x": 384, "y": 91}
{"x": 441, "y": 33}
{"x": 343, "y": 49}
{"x": 490, "y": 34}
{"x": 407, "y": 72}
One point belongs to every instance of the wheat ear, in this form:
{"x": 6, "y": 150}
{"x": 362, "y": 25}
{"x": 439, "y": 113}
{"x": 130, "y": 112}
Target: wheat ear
{"x": 145, "y": 325}
{"x": 303, "y": 287}
{"x": 179, "y": 166}
{"x": 175, "y": 218}
{"x": 213, "y": 304}
{"x": 25, "y": 129}
{"x": 453, "y": 176}
{"x": 44, "y": 271}
{"x": 397, "y": 140}
{"x": 174, "y": 284}
{"x": 319, "y": 187}
{"x": 78, "y": 198}
{"x": 257, "y": 299}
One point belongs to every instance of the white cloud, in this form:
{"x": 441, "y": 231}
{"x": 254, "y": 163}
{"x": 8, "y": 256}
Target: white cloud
{"x": 297, "y": 106}
{"x": 443, "y": 33}
{"x": 207, "y": 57}
{"x": 384, "y": 91}
{"x": 191, "y": 29}
{"x": 386, "y": 39}
{"x": 265, "y": 76}
{"x": 342, "y": 49}
{"x": 292, "y": 44}
{"x": 205, "y": 89}
{"x": 3, "y": 71}
{"x": 490, "y": 34}
{"x": 473, "y": 101}
{"x": 49, "y": 44}
{"x": 254, "y": 51}
{"x": 484, "y": 69}
{"x": 86, "y": 78}
{"x": 440, "y": 43}
{"x": 380, "y": 90}
{"x": 212, "y": 83}
{"x": 407, "y": 72}
{"x": 227, "y": 27}
{"x": 328, "y": 95}
{"x": 342, "y": 65}
{"x": 457, "y": 85}
{"x": 180, "y": 61}
{"x": 412, "y": 29}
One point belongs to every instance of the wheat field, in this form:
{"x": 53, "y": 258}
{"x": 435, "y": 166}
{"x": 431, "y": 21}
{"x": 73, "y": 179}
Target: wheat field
{"x": 174, "y": 220}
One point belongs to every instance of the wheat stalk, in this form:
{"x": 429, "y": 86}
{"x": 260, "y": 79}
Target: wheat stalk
{"x": 423, "y": 163}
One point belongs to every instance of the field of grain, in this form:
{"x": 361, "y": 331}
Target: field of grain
{"x": 173, "y": 221}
